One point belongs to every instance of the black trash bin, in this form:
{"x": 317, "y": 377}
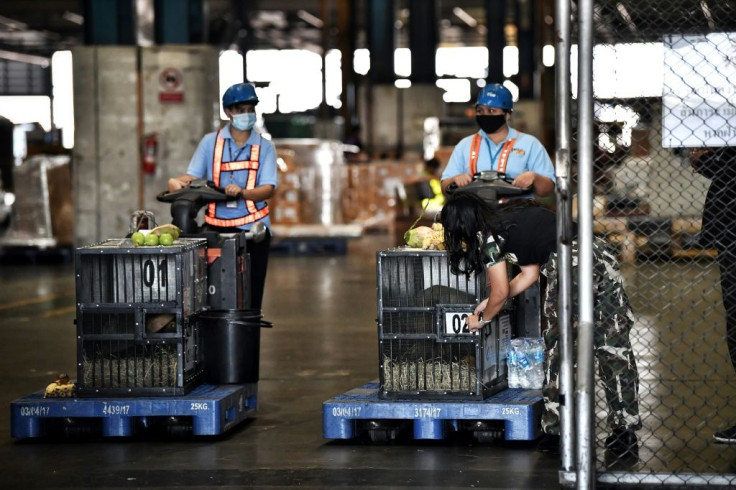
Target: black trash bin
{"x": 231, "y": 343}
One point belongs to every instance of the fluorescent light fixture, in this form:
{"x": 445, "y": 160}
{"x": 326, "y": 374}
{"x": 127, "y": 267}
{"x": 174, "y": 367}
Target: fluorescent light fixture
{"x": 361, "y": 61}
{"x": 73, "y": 18}
{"x": 462, "y": 62}
{"x": 456, "y": 90}
{"x": 510, "y": 61}
{"x": 465, "y": 17}
{"x": 548, "y": 55}
{"x": 25, "y": 58}
{"x": 310, "y": 19}
{"x": 402, "y": 83}
{"x": 402, "y": 62}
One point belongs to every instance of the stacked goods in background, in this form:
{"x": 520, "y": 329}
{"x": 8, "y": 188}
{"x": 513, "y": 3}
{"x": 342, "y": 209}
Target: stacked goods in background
{"x": 285, "y": 204}
{"x": 137, "y": 333}
{"x": 375, "y": 191}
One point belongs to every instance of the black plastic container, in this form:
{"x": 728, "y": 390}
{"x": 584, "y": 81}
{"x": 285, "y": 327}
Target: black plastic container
{"x": 231, "y": 343}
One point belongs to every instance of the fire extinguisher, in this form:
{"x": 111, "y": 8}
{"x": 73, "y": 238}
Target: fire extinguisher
{"x": 150, "y": 151}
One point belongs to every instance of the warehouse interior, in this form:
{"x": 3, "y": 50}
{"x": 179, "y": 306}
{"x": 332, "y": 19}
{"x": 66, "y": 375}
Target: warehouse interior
{"x": 101, "y": 102}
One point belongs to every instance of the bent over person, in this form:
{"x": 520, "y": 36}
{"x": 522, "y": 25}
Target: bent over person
{"x": 243, "y": 163}
{"x": 483, "y": 239}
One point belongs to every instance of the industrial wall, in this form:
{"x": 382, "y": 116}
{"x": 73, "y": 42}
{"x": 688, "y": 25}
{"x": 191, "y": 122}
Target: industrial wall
{"x": 177, "y": 103}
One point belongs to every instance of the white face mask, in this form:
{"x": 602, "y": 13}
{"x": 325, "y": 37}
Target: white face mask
{"x": 245, "y": 121}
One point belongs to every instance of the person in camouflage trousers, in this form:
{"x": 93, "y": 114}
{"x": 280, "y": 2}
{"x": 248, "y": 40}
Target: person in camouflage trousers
{"x": 613, "y": 318}
{"x": 483, "y": 238}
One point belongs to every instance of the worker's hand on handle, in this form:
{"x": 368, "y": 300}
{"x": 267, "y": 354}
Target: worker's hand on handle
{"x": 176, "y": 184}
{"x": 233, "y": 190}
{"x": 524, "y": 180}
{"x": 474, "y": 324}
{"x": 462, "y": 180}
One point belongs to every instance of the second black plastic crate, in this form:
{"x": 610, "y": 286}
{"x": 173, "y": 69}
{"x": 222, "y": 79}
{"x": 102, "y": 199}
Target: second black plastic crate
{"x": 423, "y": 350}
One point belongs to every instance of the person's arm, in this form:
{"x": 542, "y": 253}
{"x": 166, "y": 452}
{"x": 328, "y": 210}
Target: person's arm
{"x": 524, "y": 280}
{"x": 260, "y": 193}
{"x": 539, "y": 172}
{"x": 457, "y": 167}
{"x": 196, "y": 169}
{"x": 176, "y": 183}
{"x": 498, "y": 283}
{"x": 541, "y": 185}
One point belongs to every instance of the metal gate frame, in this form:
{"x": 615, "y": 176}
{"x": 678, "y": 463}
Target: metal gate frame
{"x": 577, "y": 400}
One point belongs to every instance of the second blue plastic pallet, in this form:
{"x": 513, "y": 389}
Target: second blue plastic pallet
{"x": 520, "y": 410}
{"x": 213, "y": 410}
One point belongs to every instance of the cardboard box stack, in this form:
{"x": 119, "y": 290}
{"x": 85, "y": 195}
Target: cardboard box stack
{"x": 285, "y": 203}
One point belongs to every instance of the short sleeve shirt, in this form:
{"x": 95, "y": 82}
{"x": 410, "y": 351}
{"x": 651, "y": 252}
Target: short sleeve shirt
{"x": 530, "y": 237}
{"x": 527, "y": 154}
{"x": 200, "y": 166}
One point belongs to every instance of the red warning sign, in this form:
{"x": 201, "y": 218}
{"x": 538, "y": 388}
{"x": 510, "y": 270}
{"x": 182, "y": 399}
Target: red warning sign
{"x": 171, "y": 86}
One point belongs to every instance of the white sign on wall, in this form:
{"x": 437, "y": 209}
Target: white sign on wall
{"x": 699, "y": 92}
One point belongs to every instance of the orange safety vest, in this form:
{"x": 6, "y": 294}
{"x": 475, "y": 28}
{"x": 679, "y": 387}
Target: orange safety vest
{"x": 503, "y": 158}
{"x": 253, "y": 213}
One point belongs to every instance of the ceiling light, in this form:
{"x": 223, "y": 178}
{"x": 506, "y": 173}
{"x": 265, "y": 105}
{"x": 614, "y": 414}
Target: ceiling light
{"x": 25, "y": 58}
{"x": 310, "y": 19}
{"x": 465, "y": 17}
{"x": 72, "y": 17}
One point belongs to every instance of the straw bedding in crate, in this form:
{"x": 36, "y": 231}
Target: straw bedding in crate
{"x": 432, "y": 374}
{"x": 159, "y": 369}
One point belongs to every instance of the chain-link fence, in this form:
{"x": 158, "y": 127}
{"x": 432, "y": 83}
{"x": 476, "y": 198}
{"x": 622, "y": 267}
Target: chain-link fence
{"x": 664, "y": 85}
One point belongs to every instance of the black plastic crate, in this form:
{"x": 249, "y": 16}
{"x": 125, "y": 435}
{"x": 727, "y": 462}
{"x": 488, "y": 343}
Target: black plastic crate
{"x": 136, "y": 310}
{"x": 423, "y": 350}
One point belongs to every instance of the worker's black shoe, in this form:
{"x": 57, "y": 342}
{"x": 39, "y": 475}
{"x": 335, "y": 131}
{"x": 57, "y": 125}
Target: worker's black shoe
{"x": 622, "y": 444}
{"x": 727, "y": 436}
{"x": 549, "y": 443}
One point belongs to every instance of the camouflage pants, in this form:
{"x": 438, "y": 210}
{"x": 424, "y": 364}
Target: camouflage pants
{"x": 613, "y": 317}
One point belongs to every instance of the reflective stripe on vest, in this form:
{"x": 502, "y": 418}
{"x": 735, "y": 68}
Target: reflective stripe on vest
{"x": 251, "y": 165}
{"x": 503, "y": 158}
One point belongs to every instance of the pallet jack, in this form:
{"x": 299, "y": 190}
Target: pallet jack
{"x": 208, "y": 409}
{"x": 510, "y": 414}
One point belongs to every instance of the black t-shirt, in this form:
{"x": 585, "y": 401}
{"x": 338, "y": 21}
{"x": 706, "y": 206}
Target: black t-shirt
{"x": 530, "y": 238}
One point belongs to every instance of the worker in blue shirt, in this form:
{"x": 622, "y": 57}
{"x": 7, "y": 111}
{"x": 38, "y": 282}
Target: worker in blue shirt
{"x": 243, "y": 163}
{"x": 496, "y": 146}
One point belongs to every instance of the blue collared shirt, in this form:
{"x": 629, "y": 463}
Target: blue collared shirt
{"x": 200, "y": 167}
{"x": 528, "y": 154}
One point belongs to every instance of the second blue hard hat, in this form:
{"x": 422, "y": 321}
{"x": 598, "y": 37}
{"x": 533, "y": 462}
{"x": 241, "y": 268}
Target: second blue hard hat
{"x": 240, "y": 93}
{"x": 495, "y": 95}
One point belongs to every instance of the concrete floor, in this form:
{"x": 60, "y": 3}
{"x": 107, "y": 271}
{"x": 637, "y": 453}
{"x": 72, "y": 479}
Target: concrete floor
{"x": 323, "y": 344}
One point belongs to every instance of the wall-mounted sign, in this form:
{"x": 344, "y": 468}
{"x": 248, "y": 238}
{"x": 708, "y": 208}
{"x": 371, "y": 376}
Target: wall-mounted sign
{"x": 170, "y": 86}
{"x": 699, "y": 96}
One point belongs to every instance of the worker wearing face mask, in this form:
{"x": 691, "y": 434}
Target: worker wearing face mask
{"x": 500, "y": 148}
{"x": 240, "y": 161}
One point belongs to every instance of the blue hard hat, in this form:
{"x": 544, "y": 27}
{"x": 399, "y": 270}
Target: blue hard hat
{"x": 239, "y": 93}
{"x": 496, "y": 95}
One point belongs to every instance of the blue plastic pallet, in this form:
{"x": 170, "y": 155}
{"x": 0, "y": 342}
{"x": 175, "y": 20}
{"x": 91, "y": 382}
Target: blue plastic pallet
{"x": 213, "y": 410}
{"x": 519, "y": 410}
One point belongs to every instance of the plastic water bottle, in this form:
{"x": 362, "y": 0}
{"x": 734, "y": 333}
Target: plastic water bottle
{"x": 522, "y": 360}
{"x": 513, "y": 366}
{"x": 536, "y": 354}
